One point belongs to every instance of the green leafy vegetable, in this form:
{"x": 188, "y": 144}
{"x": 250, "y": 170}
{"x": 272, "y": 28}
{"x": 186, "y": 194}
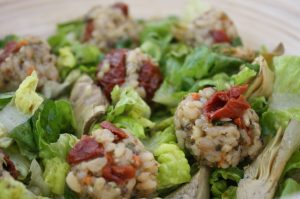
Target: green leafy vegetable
{"x": 243, "y": 76}
{"x": 7, "y": 39}
{"x": 21, "y": 163}
{"x": 259, "y": 104}
{"x": 66, "y": 34}
{"x": 5, "y": 98}
{"x": 285, "y": 99}
{"x": 66, "y": 58}
{"x": 52, "y": 119}
{"x": 174, "y": 168}
{"x": 224, "y": 181}
{"x": 37, "y": 184}
{"x": 183, "y": 72}
{"x": 160, "y": 137}
{"x": 86, "y": 53}
{"x": 289, "y": 187}
{"x": 13, "y": 189}
{"x": 220, "y": 81}
{"x": 55, "y": 173}
{"x": 129, "y": 111}
{"x": 60, "y": 148}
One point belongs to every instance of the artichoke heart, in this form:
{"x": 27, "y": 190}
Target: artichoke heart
{"x": 262, "y": 85}
{"x": 262, "y": 176}
{"x": 197, "y": 188}
{"x": 88, "y": 102}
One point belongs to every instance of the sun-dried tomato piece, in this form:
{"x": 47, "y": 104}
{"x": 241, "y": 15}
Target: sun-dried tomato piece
{"x": 9, "y": 166}
{"x": 89, "y": 28}
{"x": 150, "y": 78}
{"x": 117, "y": 70}
{"x": 123, "y": 7}
{"x": 219, "y": 36}
{"x": 87, "y": 148}
{"x": 115, "y": 130}
{"x": 227, "y": 104}
{"x": 117, "y": 173}
{"x": 12, "y": 47}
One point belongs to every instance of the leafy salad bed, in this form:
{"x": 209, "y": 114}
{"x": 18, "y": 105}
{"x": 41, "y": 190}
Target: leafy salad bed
{"x": 42, "y": 124}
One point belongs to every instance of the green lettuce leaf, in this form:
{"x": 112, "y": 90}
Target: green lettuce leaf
{"x": 55, "y": 173}
{"x": 5, "y": 98}
{"x": 129, "y": 111}
{"x": 7, "y": 39}
{"x": 224, "y": 181}
{"x": 37, "y": 184}
{"x": 13, "y": 189}
{"x": 182, "y": 72}
{"x": 230, "y": 193}
{"x": 160, "y": 137}
{"x": 21, "y": 163}
{"x": 243, "y": 76}
{"x": 26, "y": 99}
{"x": 259, "y": 104}
{"x": 174, "y": 168}
{"x": 285, "y": 99}
{"x": 66, "y": 34}
{"x": 66, "y": 58}
{"x": 220, "y": 81}
{"x": 86, "y": 54}
{"x": 60, "y": 148}
{"x": 51, "y": 120}
{"x": 289, "y": 187}
{"x": 55, "y": 118}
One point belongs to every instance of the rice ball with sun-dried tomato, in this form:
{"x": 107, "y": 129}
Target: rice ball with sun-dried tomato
{"x": 129, "y": 68}
{"x": 19, "y": 58}
{"x": 111, "y": 164}
{"x": 211, "y": 27}
{"x": 107, "y": 25}
{"x": 218, "y": 127}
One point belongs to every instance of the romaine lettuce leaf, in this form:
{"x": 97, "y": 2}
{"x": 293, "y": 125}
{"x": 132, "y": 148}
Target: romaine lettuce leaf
{"x": 243, "y": 76}
{"x": 60, "y": 148}
{"x": 66, "y": 58}
{"x": 37, "y": 184}
{"x": 13, "y": 189}
{"x": 26, "y": 99}
{"x": 285, "y": 100}
{"x": 6, "y": 39}
{"x": 66, "y": 34}
{"x": 21, "y": 163}
{"x": 160, "y": 137}
{"x": 224, "y": 181}
{"x": 289, "y": 187}
{"x": 129, "y": 111}
{"x": 5, "y": 98}
{"x": 174, "y": 168}
{"x": 55, "y": 174}
{"x": 49, "y": 121}
{"x": 86, "y": 54}
{"x": 183, "y": 72}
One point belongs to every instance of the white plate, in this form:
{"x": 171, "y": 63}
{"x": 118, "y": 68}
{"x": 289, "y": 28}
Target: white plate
{"x": 259, "y": 22}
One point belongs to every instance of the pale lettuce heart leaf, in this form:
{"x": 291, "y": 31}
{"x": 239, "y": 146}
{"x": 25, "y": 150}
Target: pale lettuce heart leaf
{"x": 174, "y": 168}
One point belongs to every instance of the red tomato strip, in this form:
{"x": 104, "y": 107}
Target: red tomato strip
{"x": 10, "y": 48}
{"x": 227, "y": 104}
{"x": 89, "y": 28}
{"x": 9, "y": 166}
{"x": 87, "y": 148}
{"x": 116, "y": 173}
{"x": 115, "y": 130}
{"x": 219, "y": 36}
{"x": 150, "y": 78}
{"x": 117, "y": 70}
